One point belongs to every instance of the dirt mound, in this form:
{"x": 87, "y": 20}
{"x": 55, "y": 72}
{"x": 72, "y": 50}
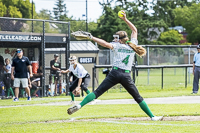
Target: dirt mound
{"x": 172, "y": 118}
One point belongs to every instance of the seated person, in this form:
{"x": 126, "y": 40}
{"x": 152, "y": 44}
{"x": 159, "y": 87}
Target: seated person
{"x": 35, "y": 82}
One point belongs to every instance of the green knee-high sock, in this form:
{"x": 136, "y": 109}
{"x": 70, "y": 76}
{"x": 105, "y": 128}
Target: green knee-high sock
{"x": 8, "y": 92}
{"x": 11, "y": 90}
{"x": 88, "y": 99}
{"x": 88, "y": 92}
{"x": 146, "y": 109}
{"x": 72, "y": 95}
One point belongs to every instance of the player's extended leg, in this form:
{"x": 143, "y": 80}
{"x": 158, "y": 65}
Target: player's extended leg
{"x": 86, "y": 82}
{"x": 128, "y": 84}
{"x": 71, "y": 88}
{"x": 109, "y": 82}
{"x": 56, "y": 88}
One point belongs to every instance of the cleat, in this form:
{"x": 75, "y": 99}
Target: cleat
{"x": 29, "y": 99}
{"x": 15, "y": 99}
{"x": 73, "y": 109}
{"x": 157, "y": 118}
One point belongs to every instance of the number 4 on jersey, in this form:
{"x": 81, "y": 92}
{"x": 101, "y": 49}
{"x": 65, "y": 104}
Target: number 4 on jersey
{"x": 125, "y": 61}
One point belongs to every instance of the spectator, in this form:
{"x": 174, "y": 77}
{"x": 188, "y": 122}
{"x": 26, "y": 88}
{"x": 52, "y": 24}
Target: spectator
{"x": 7, "y": 78}
{"x": 2, "y": 76}
{"x": 36, "y": 82}
{"x": 196, "y": 71}
{"x": 55, "y": 69}
{"x": 19, "y": 66}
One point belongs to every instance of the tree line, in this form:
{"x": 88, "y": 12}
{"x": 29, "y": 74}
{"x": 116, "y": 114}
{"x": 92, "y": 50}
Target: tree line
{"x": 164, "y": 14}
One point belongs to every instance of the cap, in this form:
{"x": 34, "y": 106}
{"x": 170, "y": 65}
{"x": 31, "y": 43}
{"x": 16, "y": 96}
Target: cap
{"x": 198, "y": 46}
{"x": 18, "y": 49}
{"x": 72, "y": 58}
{"x": 56, "y": 55}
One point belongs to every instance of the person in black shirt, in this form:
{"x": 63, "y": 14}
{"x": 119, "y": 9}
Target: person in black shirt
{"x": 55, "y": 71}
{"x": 19, "y": 66}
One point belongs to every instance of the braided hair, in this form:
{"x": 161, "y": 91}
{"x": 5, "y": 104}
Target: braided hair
{"x": 125, "y": 40}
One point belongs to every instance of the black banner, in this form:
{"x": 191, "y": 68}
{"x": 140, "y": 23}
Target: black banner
{"x": 31, "y": 38}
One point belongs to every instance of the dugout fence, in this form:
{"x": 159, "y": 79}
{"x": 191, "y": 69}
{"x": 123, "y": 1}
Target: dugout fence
{"x": 33, "y": 36}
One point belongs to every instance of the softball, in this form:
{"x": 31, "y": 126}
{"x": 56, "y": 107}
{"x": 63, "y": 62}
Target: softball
{"x": 119, "y": 14}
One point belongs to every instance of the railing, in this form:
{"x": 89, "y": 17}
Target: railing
{"x": 143, "y": 67}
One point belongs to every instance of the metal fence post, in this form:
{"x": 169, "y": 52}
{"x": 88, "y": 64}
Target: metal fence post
{"x": 67, "y": 55}
{"x": 162, "y": 78}
{"x": 189, "y": 63}
{"x": 185, "y": 77}
{"x": 148, "y": 64}
{"x": 43, "y": 60}
{"x": 93, "y": 78}
{"x": 133, "y": 72}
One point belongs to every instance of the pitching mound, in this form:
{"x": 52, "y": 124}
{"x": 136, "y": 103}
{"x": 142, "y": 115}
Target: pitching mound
{"x": 174, "y": 118}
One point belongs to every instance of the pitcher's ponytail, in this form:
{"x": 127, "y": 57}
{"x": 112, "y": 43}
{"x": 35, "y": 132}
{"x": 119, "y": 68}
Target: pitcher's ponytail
{"x": 139, "y": 50}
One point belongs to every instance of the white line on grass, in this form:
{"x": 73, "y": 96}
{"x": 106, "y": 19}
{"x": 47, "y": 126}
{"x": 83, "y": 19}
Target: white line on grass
{"x": 136, "y": 123}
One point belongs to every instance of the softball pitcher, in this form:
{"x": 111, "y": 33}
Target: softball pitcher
{"x": 124, "y": 51}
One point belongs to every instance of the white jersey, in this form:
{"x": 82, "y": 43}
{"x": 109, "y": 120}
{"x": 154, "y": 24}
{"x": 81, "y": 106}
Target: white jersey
{"x": 8, "y": 67}
{"x": 123, "y": 55}
{"x": 79, "y": 71}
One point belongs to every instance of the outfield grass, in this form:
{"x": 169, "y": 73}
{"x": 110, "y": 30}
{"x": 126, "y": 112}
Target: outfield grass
{"x": 45, "y": 119}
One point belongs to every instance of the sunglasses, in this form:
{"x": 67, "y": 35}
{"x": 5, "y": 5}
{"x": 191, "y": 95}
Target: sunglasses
{"x": 19, "y": 51}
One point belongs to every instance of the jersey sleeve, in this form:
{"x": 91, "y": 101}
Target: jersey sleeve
{"x": 70, "y": 68}
{"x": 194, "y": 59}
{"x": 51, "y": 63}
{"x": 13, "y": 63}
{"x": 134, "y": 41}
{"x": 8, "y": 67}
{"x": 114, "y": 46}
{"x": 27, "y": 61}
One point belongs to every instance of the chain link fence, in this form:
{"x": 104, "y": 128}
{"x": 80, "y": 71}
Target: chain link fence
{"x": 156, "y": 55}
{"x": 33, "y": 36}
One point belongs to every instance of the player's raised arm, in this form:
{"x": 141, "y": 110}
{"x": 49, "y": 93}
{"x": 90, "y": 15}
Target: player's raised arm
{"x": 131, "y": 25}
{"x": 102, "y": 42}
{"x": 82, "y": 35}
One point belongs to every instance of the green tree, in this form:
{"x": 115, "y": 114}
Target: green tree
{"x": 170, "y": 37}
{"x": 109, "y": 22}
{"x": 188, "y": 17}
{"x": 17, "y": 8}
{"x": 60, "y": 11}
{"x": 3, "y": 9}
{"x": 164, "y": 9}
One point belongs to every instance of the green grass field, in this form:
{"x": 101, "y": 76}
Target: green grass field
{"x": 106, "y": 118}
{"x": 55, "y": 119}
